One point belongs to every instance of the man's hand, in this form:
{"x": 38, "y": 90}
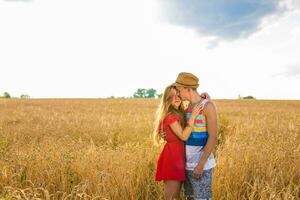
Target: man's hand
{"x": 163, "y": 135}
{"x": 198, "y": 171}
{"x": 205, "y": 95}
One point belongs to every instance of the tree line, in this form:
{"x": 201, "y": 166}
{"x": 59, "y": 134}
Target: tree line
{"x": 140, "y": 93}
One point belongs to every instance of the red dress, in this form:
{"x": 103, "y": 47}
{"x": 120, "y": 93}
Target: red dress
{"x": 171, "y": 162}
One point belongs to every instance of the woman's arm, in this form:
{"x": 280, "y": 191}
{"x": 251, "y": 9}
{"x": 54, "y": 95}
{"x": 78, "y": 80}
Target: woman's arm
{"x": 185, "y": 133}
{"x": 182, "y": 134}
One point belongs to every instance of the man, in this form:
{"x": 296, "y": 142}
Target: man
{"x": 199, "y": 146}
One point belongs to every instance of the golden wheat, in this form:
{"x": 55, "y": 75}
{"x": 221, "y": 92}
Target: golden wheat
{"x": 102, "y": 149}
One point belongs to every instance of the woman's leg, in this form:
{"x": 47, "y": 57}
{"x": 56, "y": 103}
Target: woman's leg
{"x": 172, "y": 189}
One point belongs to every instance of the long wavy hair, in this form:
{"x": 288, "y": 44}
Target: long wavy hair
{"x": 165, "y": 107}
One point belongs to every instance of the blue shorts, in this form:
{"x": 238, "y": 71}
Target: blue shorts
{"x": 198, "y": 188}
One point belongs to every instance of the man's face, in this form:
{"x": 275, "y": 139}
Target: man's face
{"x": 183, "y": 93}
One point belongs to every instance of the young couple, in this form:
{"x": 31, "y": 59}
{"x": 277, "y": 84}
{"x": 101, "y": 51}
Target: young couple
{"x": 190, "y": 136}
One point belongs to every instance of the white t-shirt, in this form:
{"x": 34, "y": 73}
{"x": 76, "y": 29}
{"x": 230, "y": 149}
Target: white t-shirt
{"x": 193, "y": 156}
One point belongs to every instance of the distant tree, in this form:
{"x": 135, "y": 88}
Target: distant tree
{"x": 159, "y": 95}
{"x": 240, "y": 97}
{"x": 151, "y": 93}
{"x": 140, "y": 93}
{"x": 146, "y": 93}
{"x": 25, "y": 96}
{"x": 6, "y": 95}
{"x": 249, "y": 97}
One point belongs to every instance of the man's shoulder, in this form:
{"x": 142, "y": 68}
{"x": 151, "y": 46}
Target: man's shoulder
{"x": 212, "y": 103}
{"x": 209, "y": 106}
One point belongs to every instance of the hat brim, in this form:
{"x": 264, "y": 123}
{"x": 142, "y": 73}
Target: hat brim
{"x": 176, "y": 84}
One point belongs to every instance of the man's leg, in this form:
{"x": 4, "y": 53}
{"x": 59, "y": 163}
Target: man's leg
{"x": 202, "y": 187}
{"x": 188, "y": 188}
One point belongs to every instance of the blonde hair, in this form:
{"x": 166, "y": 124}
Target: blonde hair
{"x": 164, "y": 108}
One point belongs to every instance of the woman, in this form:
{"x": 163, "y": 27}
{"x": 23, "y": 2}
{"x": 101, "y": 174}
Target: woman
{"x": 171, "y": 162}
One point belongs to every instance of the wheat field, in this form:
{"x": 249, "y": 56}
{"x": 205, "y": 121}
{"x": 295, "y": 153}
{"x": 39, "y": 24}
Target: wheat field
{"x": 103, "y": 149}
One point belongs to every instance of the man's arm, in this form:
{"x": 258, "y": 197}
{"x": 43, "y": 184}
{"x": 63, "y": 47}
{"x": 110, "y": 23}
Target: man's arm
{"x": 212, "y": 126}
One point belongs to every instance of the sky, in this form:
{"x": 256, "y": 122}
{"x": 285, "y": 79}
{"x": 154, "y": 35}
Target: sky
{"x": 98, "y": 49}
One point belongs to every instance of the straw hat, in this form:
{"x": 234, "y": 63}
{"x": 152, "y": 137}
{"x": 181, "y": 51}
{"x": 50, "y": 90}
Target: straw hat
{"x": 185, "y": 79}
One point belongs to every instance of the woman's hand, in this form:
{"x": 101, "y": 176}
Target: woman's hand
{"x": 205, "y": 95}
{"x": 197, "y": 109}
{"x": 195, "y": 112}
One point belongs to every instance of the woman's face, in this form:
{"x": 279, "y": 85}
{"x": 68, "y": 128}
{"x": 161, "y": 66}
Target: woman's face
{"x": 175, "y": 100}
